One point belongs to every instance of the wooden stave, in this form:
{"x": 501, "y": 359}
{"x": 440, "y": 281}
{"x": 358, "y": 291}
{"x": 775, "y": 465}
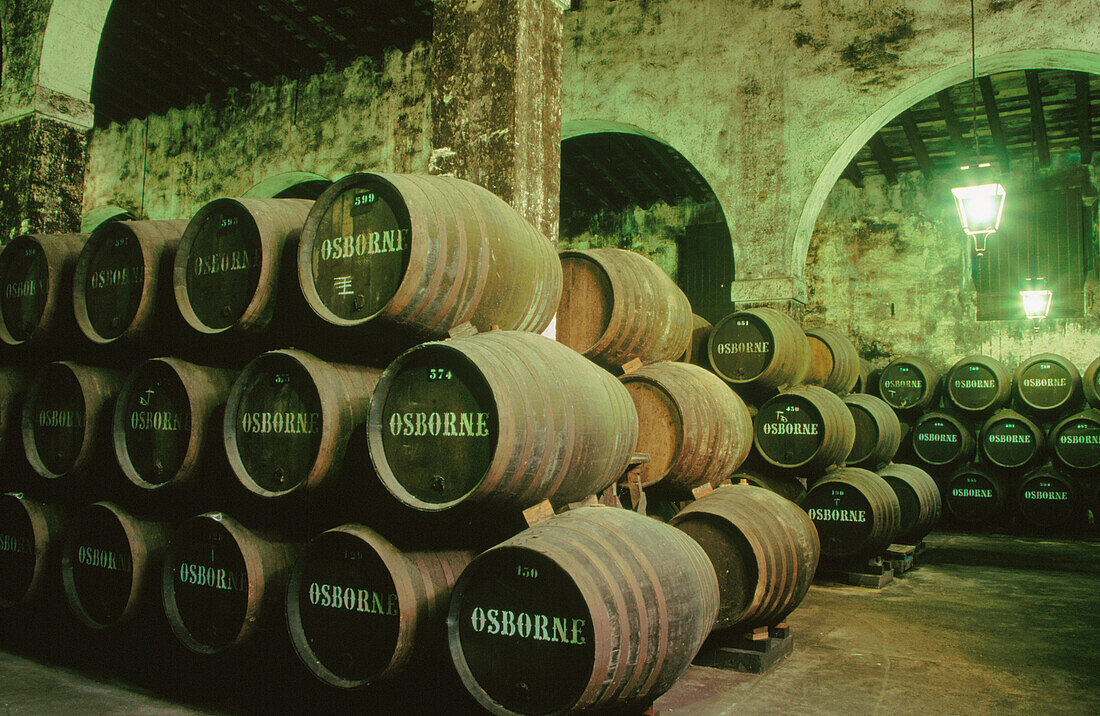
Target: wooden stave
{"x": 650, "y": 317}
{"x": 710, "y": 447}
{"x": 786, "y": 486}
{"x": 844, "y": 368}
{"x": 928, "y": 496}
{"x": 574, "y": 540}
{"x": 783, "y": 539}
{"x": 563, "y": 476}
{"x": 159, "y": 241}
{"x": 13, "y": 391}
{"x": 1090, "y": 383}
{"x": 889, "y": 430}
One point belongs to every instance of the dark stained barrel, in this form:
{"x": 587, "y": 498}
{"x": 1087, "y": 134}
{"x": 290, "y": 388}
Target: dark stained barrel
{"x": 1009, "y": 440}
{"x": 290, "y": 185}
{"x": 978, "y": 384}
{"x": 426, "y": 251}
{"x": 223, "y": 585}
{"x": 36, "y": 283}
{"x": 122, "y": 284}
{"x": 1075, "y": 441}
{"x": 909, "y": 383}
{"x": 877, "y": 431}
{"x": 975, "y": 496}
{"x": 165, "y": 427}
{"x": 863, "y": 381}
{"x": 111, "y": 565}
{"x": 1090, "y": 383}
{"x": 856, "y": 513}
{"x": 13, "y": 390}
{"x": 787, "y": 486}
{"x": 807, "y": 427}
{"x": 764, "y": 549}
{"x": 618, "y": 305}
{"x": 834, "y": 362}
{"x": 1046, "y": 499}
{"x": 67, "y": 419}
{"x": 697, "y": 348}
{"x": 693, "y": 427}
{"x": 506, "y": 417}
{"x": 360, "y": 610}
{"x": 32, "y": 534}
{"x": 760, "y": 347}
{"x": 919, "y": 499}
{"x": 593, "y": 608}
{"x": 941, "y": 440}
{"x": 1047, "y": 384}
{"x": 288, "y": 419}
{"x": 228, "y": 270}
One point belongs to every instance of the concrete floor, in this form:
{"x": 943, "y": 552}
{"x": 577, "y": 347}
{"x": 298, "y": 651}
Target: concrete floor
{"x": 984, "y": 625}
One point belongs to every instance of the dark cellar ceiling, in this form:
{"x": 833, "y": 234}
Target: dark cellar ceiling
{"x": 155, "y": 55}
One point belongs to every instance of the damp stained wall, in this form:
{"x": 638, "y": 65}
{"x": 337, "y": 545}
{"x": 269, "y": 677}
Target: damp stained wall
{"x": 888, "y": 266}
{"x": 365, "y": 116}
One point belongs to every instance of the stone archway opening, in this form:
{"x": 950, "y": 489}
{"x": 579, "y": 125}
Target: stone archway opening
{"x": 624, "y": 187}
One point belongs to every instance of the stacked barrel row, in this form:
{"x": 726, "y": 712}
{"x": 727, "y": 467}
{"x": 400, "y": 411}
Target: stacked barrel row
{"x": 1008, "y": 447}
{"x": 176, "y": 404}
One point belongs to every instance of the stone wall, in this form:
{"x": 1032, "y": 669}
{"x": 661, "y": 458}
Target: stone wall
{"x": 364, "y": 116}
{"x": 888, "y": 266}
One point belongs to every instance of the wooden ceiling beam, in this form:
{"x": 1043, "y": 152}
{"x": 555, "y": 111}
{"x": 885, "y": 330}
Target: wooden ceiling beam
{"x": 954, "y": 129}
{"x": 853, "y": 174}
{"x": 996, "y": 128}
{"x": 644, "y": 169}
{"x": 1084, "y": 115}
{"x": 1038, "y": 121}
{"x": 882, "y": 158}
{"x": 920, "y": 152}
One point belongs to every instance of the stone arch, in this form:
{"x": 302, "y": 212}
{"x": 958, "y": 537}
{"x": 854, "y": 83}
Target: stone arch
{"x": 923, "y": 87}
{"x": 70, "y": 44}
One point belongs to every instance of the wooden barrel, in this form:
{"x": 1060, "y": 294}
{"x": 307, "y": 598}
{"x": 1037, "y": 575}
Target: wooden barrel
{"x": 1047, "y": 384}
{"x": 807, "y": 427}
{"x": 66, "y": 419}
{"x": 1010, "y": 441}
{"x": 288, "y": 419}
{"x": 761, "y": 347}
{"x": 978, "y": 384}
{"x": 36, "y": 282}
{"x": 693, "y": 427}
{"x": 1075, "y": 441}
{"x": 919, "y": 499}
{"x": 13, "y": 390}
{"x": 223, "y": 585}
{"x": 909, "y": 383}
{"x": 974, "y": 496}
{"x": 834, "y": 362}
{"x": 941, "y": 440}
{"x": 856, "y": 513}
{"x": 764, "y": 549}
{"x": 1090, "y": 383}
{"x": 122, "y": 284}
{"x": 618, "y": 305}
{"x": 787, "y": 486}
{"x": 863, "y": 381}
{"x": 1048, "y": 500}
{"x": 877, "y": 431}
{"x": 228, "y": 269}
{"x": 164, "y": 429}
{"x": 593, "y": 608}
{"x": 111, "y": 565}
{"x": 696, "y": 352}
{"x": 361, "y": 611}
{"x": 31, "y": 537}
{"x": 427, "y": 251}
{"x": 506, "y": 417}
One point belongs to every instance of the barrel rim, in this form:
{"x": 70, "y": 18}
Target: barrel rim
{"x": 330, "y": 403}
{"x": 139, "y": 567}
{"x": 268, "y": 267}
{"x": 80, "y": 273}
{"x": 594, "y": 259}
{"x": 655, "y": 382}
{"x": 399, "y": 569}
{"x": 377, "y": 450}
{"x": 30, "y": 446}
{"x": 765, "y": 323}
{"x": 253, "y": 564}
{"x": 309, "y": 230}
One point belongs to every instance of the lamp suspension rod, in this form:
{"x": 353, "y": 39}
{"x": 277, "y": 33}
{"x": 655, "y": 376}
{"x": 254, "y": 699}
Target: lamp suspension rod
{"x": 973, "y": 87}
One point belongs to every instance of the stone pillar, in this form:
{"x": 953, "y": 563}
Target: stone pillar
{"x": 785, "y": 293}
{"x": 496, "y": 100}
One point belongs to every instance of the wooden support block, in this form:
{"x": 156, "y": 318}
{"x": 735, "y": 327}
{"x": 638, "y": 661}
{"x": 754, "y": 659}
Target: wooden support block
{"x": 539, "y": 512}
{"x": 758, "y": 634}
{"x": 631, "y": 366}
{"x": 590, "y": 501}
{"x": 462, "y": 330}
{"x": 702, "y": 490}
{"x": 728, "y": 481}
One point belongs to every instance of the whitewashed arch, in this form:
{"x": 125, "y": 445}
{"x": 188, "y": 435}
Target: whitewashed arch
{"x": 70, "y": 44}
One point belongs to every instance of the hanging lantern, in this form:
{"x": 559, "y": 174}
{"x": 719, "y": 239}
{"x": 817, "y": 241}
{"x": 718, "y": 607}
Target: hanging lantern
{"x": 1036, "y": 299}
{"x": 980, "y": 208}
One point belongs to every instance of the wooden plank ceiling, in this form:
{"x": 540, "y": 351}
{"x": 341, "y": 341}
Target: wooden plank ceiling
{"x": 1023, "y": 119}
{"x": 158, "y": 54}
